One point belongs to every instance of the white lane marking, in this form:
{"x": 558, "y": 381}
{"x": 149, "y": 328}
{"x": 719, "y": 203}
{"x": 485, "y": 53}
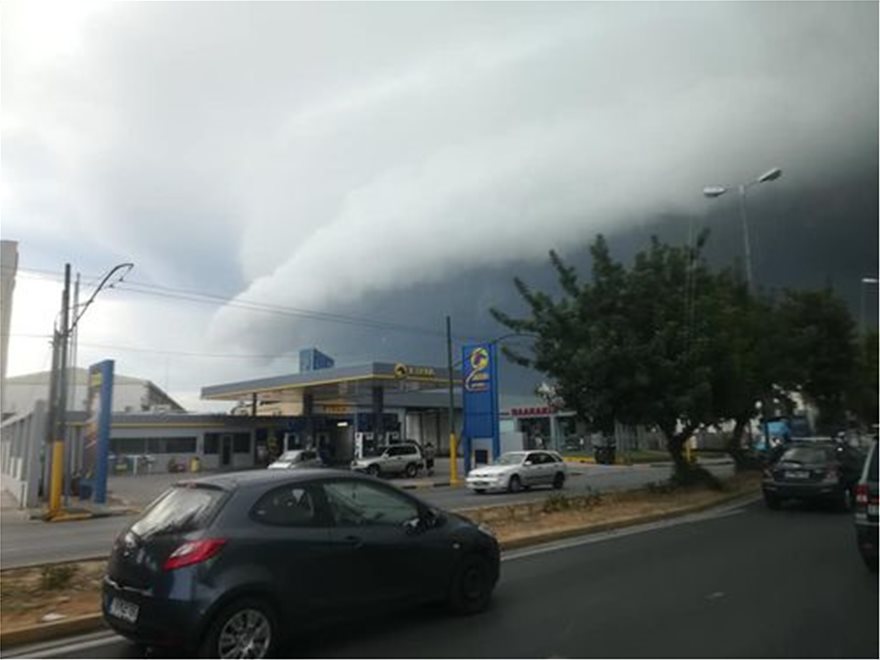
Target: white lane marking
{"x": 556, "y": 546}
{"x": 83, "y": 643}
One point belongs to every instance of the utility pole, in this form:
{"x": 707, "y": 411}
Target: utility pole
{"x": 453, "y": 450}
{"x": 60, "y": 427}
{"x": 71, "y": 396}
{"x": 46, "y": 467}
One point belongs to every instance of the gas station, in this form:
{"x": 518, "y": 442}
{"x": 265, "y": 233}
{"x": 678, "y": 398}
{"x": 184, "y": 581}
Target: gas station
{"x": 344, "y": 412}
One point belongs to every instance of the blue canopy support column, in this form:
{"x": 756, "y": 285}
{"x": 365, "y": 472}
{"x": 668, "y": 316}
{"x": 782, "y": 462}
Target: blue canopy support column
{"x": 378, "y": 410}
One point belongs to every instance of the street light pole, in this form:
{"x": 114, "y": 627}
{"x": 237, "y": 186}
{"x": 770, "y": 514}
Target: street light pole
{"x": 716, "y": 191}
{"x": 865, "y": 280}
{"x": 58, "y": 383}
{"x": 747, "y": 246}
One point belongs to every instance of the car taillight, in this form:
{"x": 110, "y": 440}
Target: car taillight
{"x": 862, "y": 496}
{"x": 193, "y": 552}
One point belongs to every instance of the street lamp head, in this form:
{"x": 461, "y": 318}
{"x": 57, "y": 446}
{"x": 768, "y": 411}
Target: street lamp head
{"x": 770, "y": 175}
{"x": 714, "y": 191}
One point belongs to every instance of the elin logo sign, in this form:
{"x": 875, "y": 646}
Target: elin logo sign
{"x": 407, "y": 371}
{"x": 478, "y": 379}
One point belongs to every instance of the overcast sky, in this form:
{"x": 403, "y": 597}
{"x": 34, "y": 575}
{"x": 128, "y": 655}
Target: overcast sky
{"x": 399, "y": 162}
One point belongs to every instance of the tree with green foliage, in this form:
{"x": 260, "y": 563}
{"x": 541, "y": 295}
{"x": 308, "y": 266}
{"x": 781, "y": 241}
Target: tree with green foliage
{"x": 638, "y": 345}
{"x": 864, "y": 392}
{"x": 819, "y": 352}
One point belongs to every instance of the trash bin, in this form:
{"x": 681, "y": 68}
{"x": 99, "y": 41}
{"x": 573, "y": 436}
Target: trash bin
{"x": 195, "y": 464}
{"x": 605, "y": 454}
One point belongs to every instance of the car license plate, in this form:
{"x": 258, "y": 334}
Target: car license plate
{"x": 797, "y": 474}
{"x": 872, "y": 509}
{"x": 122, "y": 609}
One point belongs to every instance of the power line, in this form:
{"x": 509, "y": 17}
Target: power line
{"x": 198, "y": 297}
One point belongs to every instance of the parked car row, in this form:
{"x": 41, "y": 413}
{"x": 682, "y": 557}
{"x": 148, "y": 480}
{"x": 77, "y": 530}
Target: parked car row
{"x": 405, "y": 458}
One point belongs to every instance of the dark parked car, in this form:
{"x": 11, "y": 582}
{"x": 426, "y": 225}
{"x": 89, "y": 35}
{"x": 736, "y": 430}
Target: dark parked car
{"x": 814, "y": 470}
{"x": 229, "y": 565}
{"x": 866, "y": 509}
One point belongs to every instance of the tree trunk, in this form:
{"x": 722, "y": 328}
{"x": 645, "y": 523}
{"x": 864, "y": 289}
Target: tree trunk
{"x": 675, "y": 446}
{"x": 734, "y": 444}
{"x": 685, "y": 473}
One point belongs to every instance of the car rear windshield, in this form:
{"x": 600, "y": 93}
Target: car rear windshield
{"x": 807, "y": 455}
{"x": 181, "y": 509}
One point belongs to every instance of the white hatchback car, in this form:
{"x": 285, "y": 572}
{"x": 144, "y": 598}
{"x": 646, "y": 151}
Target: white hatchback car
{"x": 516, "y": 470}
{"x": 297, "y": 458}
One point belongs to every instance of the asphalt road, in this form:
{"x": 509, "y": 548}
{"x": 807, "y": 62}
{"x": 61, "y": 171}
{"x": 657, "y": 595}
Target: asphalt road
{"x": 28, "y": 542}
{"x": 743, "y": 582}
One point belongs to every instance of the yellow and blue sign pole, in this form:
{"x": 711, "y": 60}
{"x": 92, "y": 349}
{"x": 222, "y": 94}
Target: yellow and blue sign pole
{"x": 480, "y": 399}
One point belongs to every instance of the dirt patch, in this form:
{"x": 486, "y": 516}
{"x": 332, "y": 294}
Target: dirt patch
{"x": 29, "y": 594}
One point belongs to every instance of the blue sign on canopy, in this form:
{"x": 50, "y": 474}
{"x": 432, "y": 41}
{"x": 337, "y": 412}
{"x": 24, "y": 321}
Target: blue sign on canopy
{"x": 480, "y": 399}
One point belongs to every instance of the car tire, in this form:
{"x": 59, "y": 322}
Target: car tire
{"x": 471, "y": 586}
{"x": 559, "y": 481}
{"x": 257, "y": 616}
{"x": 514, "y": 485}
{"x": 374, "y": 471}
{"x": 411, "y": 470}
{"x": 772, "y": 501}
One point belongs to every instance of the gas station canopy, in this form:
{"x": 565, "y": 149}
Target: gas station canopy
{"x": 333, "y": 389}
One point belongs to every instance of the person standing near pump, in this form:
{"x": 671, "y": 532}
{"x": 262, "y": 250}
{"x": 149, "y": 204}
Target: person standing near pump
{"x": 429, "y": 458}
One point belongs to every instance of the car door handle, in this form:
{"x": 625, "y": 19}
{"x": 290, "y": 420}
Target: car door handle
{"x": 354, "y": 541}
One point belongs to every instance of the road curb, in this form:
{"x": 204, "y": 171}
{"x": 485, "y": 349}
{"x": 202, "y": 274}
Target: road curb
{"x": 558, "y": 535}
{"x": 435, "y": 484}
{"x": 49, "y": 631}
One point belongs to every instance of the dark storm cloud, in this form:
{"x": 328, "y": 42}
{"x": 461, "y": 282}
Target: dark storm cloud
{"x": 403, "y": 161}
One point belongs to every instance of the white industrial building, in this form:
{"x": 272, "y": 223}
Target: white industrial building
{"x": 130, "y": 395}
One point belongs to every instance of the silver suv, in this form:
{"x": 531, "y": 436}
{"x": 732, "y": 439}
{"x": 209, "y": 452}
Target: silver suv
{"x": 405, "y": 458}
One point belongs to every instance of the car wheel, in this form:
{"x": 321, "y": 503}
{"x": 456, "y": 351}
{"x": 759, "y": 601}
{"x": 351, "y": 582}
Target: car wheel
{"x": 772, "y": 501}
{"x": 471, "y": 586}
{"x": 515, "y": 484}
{"x": 411, "y": 470}
{"x": 558, "y": 480}
{"x": 246, "y": 628}
{"x": 373, "y": 470}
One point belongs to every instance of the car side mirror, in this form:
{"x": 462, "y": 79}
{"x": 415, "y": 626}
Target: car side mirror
{"x": 414, "y": 525}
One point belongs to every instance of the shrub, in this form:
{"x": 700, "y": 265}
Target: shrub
{"x": 57, "y": 577}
